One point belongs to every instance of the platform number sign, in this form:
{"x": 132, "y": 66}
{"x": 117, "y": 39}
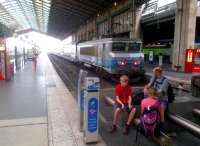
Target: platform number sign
{"x": 82, "y": 100}
{"x": 92, "y": 114}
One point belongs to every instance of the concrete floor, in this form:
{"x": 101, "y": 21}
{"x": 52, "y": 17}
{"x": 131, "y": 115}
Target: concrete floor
{"x": 23, "y": 106}
{"x": 63, "y": 113}
{"x": 24, "y": 95}
{"x": 28, "y": 132}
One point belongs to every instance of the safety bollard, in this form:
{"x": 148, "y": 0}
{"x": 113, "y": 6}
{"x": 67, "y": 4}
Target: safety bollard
{"x": 91, "y": 111}
{"x": 81, "y": 90}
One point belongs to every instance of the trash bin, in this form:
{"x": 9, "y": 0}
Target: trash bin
{"x": 195, "y": 85}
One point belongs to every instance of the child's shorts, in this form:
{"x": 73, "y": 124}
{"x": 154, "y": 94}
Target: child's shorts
{"x": 164, "y": 104}
{"x": 126, "y": 107}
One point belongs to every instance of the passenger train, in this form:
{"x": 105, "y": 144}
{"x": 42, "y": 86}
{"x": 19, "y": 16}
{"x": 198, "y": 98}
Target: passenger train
{"x": 115, "y": 56}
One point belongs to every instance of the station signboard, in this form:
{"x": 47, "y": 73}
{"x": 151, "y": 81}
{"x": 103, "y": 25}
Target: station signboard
{"x": 196, "y": 61}
{"x": 188, "y": 60}
{"x": 92, "y": 114}
{"x": 2, "y": 65}
{"x": 192, "y": 61}
{"x": 2, "y": 59}
{"x": 5, "y": 66}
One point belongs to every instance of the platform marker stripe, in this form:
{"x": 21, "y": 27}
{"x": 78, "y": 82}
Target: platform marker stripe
{"x": 22, "y": 122}
{"x": 102, "y": 118}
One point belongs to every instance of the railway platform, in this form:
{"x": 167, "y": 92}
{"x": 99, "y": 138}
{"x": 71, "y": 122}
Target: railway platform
{"x": 39, "y": 108}
{"x": 62, "y": 113}
{"x": 23, "y": 108}
{"x": 183, "y": 106}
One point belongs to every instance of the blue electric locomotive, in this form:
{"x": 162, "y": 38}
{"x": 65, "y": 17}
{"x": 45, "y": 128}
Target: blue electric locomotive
{"x": 115, "y": 56}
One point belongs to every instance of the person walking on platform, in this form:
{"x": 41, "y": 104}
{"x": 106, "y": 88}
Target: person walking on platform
{"x": 123, "y": 103}
{"x": 34, "y": 59}
{"x": 161, "y": 84}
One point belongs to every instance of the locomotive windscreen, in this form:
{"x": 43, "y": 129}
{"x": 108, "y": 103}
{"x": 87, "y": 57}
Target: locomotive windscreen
{"x": 124, "y": 47}
{"x": 118, "y": 47}
{"x": 133, "y": 47}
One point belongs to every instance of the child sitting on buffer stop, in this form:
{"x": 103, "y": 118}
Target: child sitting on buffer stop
{"x": 123, "y": 102}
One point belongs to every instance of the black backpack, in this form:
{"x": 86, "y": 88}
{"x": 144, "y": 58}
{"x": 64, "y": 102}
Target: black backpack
{"x": 137, "y": 99}
{"x": 170, "y": 92}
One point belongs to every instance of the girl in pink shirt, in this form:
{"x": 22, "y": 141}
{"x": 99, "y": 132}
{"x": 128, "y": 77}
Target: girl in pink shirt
{"x": 151, "y": 100}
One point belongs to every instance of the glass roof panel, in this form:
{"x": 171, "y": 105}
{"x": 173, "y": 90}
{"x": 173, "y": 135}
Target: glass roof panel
{"x": 25, "y": 13}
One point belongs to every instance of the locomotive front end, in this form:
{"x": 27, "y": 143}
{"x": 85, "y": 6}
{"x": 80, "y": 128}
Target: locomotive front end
{"x": 127, "y": 58}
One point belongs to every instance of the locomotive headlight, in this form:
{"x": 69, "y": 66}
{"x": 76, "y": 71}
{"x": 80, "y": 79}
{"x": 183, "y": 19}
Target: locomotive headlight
{"x": 122, "y": 62}
{"x": 136, "y": 62}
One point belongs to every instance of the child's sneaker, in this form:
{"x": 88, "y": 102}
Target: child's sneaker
{"x": 113, "y": 129}
{"x": 126, "y": 130}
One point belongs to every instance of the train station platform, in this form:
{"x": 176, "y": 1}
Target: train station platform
{"x": 69, "y": 71}
{"x": 37, "y": 109}
{"x": 23, "y": 116}
{"x": 62, "y": 113}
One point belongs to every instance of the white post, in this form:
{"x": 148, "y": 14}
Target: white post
{"x": 91, "y": 111}
{"x": 81, "y": 90}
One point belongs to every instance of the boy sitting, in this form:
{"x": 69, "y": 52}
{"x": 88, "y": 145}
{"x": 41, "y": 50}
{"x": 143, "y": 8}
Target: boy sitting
{"x": 123, "y": 102}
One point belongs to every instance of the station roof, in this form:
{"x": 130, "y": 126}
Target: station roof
{"x": 55, "y": 17}
{"x": 67, "y": 15}
{"x": 25, "y": 14}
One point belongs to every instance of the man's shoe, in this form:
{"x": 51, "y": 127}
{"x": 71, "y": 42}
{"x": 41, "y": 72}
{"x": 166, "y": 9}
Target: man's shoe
{"x": 113, "y": 129}
{"x": 126, "y": 130}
